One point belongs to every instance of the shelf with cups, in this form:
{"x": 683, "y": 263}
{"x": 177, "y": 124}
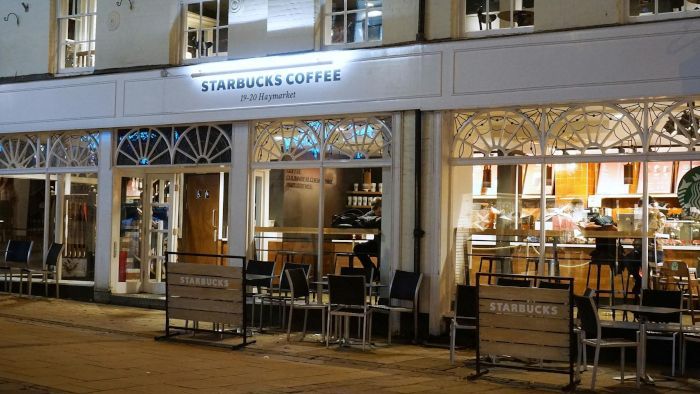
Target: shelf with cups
{"x": 361, "y": 199}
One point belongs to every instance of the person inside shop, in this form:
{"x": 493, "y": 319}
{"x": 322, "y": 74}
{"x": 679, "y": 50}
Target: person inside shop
{"x": 633, "y": 261}
{"x": 567, "y": 218}
{"x": 364, "y": 251}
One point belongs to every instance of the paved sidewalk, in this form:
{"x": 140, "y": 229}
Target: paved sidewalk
{"x": 49, "y": 345}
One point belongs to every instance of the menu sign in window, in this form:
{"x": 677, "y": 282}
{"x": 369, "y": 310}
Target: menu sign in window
{"x": 660, "y": 177}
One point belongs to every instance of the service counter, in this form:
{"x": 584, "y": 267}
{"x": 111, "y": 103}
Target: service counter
{"x": 573, "y": 257}
{"x": 300, "y": 245}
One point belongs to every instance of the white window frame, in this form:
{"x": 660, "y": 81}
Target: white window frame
{"x": 509, "y": 30}
{"x": 686, "y": 12}
{"x": 206, "y": 24}
{"x": 87, "y": 29}
{"x": 328, "y": 25}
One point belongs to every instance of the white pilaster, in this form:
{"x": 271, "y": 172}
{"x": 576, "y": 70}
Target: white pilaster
{"x": 238, "y": 192}
{"x": 105, "y": 194}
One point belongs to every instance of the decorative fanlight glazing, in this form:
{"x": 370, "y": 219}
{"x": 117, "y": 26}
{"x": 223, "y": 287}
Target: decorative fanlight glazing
{"x": 358, "y": 138}
{"x": 143, "y": 146}
{"x": 20, "y": 151}
{"x": 73, "y": 150}
{"x": 594, "y": 129}
{"x": 203, "y": 144}
{"x": 495, "y": 133}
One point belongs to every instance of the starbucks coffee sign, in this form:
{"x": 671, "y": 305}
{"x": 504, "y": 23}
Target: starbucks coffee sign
{"x": 689, "y": 191}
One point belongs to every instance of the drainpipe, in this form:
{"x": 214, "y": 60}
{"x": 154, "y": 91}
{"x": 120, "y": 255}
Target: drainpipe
{"x": 420, "y": 36}
{"x": 418, "y": 232}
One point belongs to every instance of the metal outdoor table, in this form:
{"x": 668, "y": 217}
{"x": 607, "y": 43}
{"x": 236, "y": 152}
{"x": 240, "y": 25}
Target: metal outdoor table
{"x": 642, "y": 315}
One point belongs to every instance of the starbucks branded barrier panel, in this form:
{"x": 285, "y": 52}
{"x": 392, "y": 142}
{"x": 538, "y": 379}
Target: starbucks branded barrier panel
{"x": 521, "y": 324}
{"x": 205, "y": 293}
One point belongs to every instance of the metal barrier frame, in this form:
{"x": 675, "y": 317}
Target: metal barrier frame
{"x": 571, "y": 371}
{"x": 172, "y": 335}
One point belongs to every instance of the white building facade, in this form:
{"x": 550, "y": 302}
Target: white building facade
{"x": 135, "y": 127}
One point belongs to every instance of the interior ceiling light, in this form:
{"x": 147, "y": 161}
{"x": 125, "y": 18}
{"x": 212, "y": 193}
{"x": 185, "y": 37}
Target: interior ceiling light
{"x": 687, "y": 124}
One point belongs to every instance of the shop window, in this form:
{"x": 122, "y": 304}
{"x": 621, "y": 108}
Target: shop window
{"x": 307, "y": 211}
{"x": 77, "y": 23}
{"x": 143, "y": 146}
{"x": 494, "y": 15}
{"x": 581, "y": 199}
{"x": 495, "y": 133}
{"x": 595, "y": 129}
{"x": 338, "y": 139}
{"x": 168, "y": 145}
{"x": 20, "y": 152}
{"x": 203, "y": 144}
{"x": 73, "y": 150}
{"x": 646, "y": 8}
{"x": 353, "y": 21}
{"x": 78, "y": 224}
{"x": 362, "y": 138}
{"x": 206, "y": 29}
{"x": 496, "y": 215}
{"x": 675, "y": 127}
{"x": 287, "y": 141}
{"x": 22, "y": 204}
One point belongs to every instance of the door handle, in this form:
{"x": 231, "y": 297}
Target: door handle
{"x": 213, "y": 224}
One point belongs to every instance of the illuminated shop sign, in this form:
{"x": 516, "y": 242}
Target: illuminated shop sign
{"x": 262, "y": 81}
{"x": 265, "y": 87}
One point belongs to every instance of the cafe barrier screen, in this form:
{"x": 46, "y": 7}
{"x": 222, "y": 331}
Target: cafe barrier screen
{"x": 525, "y": 324}
{"x": 205, "y": 293}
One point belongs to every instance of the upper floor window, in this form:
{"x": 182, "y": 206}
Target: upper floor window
{"x": 353, "y": 21}
{"x": 206, "y": 29}
{"x": 662, "y": 7}
{"x": 482, "y": 15}
{"x": 77, "y": 22}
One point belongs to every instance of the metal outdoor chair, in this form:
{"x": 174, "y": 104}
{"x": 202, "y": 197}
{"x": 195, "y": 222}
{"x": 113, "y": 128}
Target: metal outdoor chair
{"x": 664, "y": 327}
{"x": 590, "y": 325}
{"x": 465, "y": 314}
{"x": 675, "y": 275}
{"x": 299, "y": 285}
{"x": 404, "y": 289}
{"x": 690, "y": 334}
{"x": 367, "y": 273}
{"x": 16, "y": 256}
{"x": 50, "y": 267}
{"x": 259, "y": 268}
{"x": 347, "y": 299}
{"x": 280, "y": 295}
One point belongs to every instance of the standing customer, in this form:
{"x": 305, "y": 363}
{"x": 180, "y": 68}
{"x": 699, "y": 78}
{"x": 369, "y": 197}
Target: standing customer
{"x": 363, "y": 251}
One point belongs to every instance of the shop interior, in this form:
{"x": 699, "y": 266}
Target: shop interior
{"x": 587, "y": 197}
{"x": 291, "y": 215}
{"x": 32, "y": 207}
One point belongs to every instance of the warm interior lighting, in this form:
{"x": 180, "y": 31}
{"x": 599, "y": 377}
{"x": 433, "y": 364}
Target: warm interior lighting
{"x": 486, "y": 178}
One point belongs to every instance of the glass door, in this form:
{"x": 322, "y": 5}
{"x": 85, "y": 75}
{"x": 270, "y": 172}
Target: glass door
{"x": 159, "y": 230}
